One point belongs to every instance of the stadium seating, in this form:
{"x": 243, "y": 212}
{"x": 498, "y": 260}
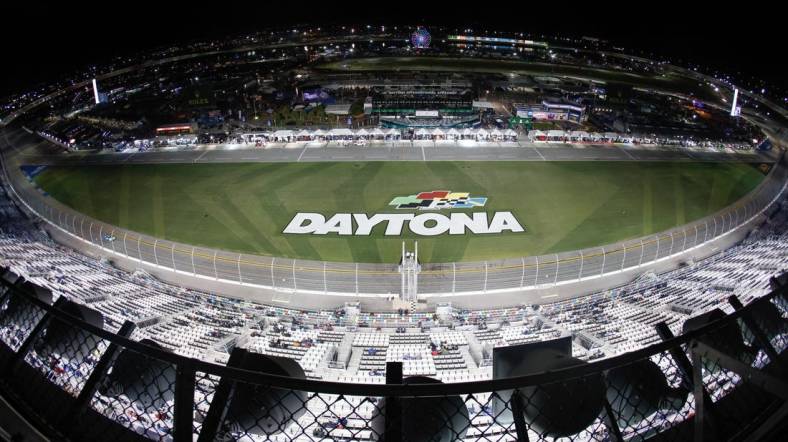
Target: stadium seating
{"x": 202, "y": 325}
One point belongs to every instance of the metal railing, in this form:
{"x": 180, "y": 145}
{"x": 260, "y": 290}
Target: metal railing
{"x": 723, "y": 379}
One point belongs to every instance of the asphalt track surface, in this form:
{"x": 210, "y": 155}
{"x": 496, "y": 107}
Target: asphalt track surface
{"x": 41, "y": 152}
{"x": 534, "y": 279}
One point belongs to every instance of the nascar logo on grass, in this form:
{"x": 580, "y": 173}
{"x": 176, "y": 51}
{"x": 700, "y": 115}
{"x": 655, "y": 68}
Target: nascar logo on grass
{"x": 427, "y": 224}
{"x": 438, "y": 199}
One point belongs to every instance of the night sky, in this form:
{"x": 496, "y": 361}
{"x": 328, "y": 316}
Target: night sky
{"x": 41, "y": 41}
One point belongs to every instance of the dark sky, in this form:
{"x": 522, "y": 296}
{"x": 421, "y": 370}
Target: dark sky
{"x": 45, "y": 39}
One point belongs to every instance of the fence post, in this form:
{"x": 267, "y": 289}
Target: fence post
{"x": 240, "y": 279}
{"x": 172, "y": 250}
{"x": 221, "y": 399}
{"x": 325, "y": 283}
{"x": 610, "y": 419}
{"x": 139, "y": 248}
{"x": 760, "y": 337}
{"x": 101, "y": 235}
{"x": 155, "y": 255}
{"x": 520, "y": 428}
{"x": 699, "y": 395}
{"x": 393, "y": 427}
{"x": 453, "y": 277}
{"x": 81, "y": 228}
{"x": 672, "y": 240}
{"x": 557, "y": 263}
{"x": 183, "y": 409}
{"x": 706, "y": 232}
{"x": 604, "y": 257}
{"x": 580, "y": 273}
{"x": 194, "y": 269}
{"x": 536, "y": 277}
{"x": 642, "y": 249}
{"x": 485, "y": 276}
{"x": 273, "y": 283}
{"x": 27, "y": 344}
{"x": 215, "y": 271}
{"x": 295, "y": 284}
{"x": 623, "y": 261}
{"x": 90, "y": 230}
{"x": 684, "y": 242}
{"x": 656, "y": 255}
{"x": 691, "y": 376}
{"x": 102, "y": 367}
{"x": 522, "y": 277}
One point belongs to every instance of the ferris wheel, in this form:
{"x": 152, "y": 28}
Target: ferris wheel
{"x": 420, "y": 38}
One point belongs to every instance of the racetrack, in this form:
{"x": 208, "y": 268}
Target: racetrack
{"x": 244, "y": 207}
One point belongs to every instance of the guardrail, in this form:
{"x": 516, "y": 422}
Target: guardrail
{"x": 383, "y": 280}
{"x": 722, "y": 379}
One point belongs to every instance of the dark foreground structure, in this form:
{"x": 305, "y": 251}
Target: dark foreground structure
{"x": 66, "y": 378}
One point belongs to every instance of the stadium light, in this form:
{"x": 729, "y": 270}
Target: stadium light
{"x": 735, "y": 100}
{"x": 95, "y": 92}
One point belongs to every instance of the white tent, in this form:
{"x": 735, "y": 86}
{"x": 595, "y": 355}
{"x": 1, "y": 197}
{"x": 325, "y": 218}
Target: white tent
{"x": 283, "y": 133}
{"x": 377, "y": 131}
{"x": 496, "y": 132}
{"x": 341, "y": 132}
{"x": 422, "y": 131}
{"x": 452, "y": 131}
{"x": 304, "y": 133}
{"x": 578, "y": 134}
{"x": 556, "y": 133}
{"x": 438, "y": 132}
{"x": 510, "y": 133}
{"x": 535, "y": 134}
{"x": 319, "y": 133}
{"x": 362, "y": 132}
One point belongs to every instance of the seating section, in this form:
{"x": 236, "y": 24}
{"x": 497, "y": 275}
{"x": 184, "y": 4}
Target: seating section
{"x": 205, "y": 326}
{"x": 201, "y": 325}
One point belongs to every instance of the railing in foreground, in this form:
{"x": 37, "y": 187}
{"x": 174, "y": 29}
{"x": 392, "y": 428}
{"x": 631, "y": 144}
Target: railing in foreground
{"x": 723, "y": 378}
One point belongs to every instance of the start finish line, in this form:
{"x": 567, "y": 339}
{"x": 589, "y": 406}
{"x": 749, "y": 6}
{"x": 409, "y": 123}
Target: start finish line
{"x": 427, "y": 224}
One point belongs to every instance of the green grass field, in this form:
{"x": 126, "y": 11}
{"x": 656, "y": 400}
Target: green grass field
{"x": 244, "y": 207}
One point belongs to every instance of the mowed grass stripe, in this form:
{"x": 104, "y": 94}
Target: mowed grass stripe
{"x": 244, "y": 207}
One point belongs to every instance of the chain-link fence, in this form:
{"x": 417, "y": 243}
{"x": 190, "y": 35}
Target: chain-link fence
{"x": 722, "y": 379}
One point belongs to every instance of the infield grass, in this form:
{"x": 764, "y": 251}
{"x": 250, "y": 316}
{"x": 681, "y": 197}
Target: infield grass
{"x": 244, "y": 207}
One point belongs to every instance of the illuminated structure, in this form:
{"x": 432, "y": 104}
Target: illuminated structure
{"x": 420, "y": 38}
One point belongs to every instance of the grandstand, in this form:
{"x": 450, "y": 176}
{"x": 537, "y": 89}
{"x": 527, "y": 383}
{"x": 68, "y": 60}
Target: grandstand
{"x": 201, "y": 325}
{"x": 331, "y": 346}
{"x": 675, "y": 333}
